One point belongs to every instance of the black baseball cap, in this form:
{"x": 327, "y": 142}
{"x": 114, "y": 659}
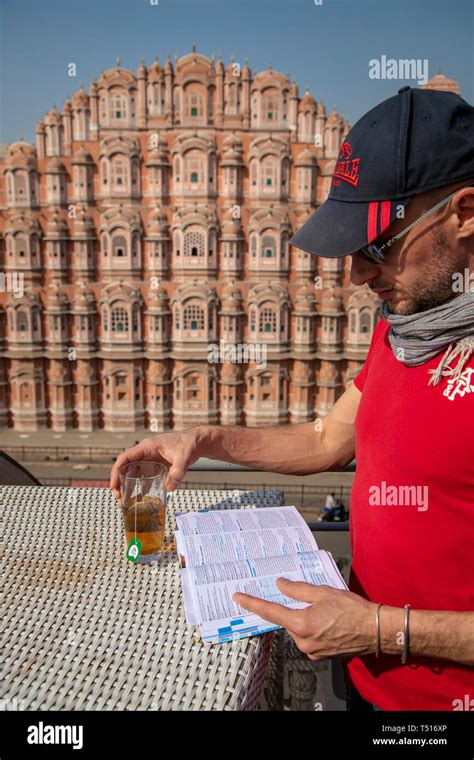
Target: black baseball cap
{"x": 409, "y": 144}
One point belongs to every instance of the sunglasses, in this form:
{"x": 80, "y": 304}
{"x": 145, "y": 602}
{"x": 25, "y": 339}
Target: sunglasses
{"x": 374, "y": 252}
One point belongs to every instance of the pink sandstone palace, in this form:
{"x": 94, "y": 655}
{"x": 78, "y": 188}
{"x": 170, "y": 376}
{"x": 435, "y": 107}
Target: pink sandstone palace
{"x": 149, "y": 224}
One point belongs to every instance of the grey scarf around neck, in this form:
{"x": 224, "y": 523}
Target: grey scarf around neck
{"x": 417, "y": 338}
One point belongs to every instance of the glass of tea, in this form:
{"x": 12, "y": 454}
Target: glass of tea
{"x": 142, "y": 486}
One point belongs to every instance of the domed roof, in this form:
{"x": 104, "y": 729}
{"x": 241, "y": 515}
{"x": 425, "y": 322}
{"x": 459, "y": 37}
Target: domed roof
{"x": 441, "y": 82}
{"x": 80, "y": 99}
{"x": 158, "y": 154}
{"x": 83, "y": 224}
{"x": 82, "y": 157}
{"x": 230, "y": 372}
{"x": 305, "y": 298}
{"x": 53, "y": 117}
{"x": 331, "y": 300}
{"x": 155, "y": 71}
{"x": 22, "y": 153}
{"x": 54, "y": 166}
{"x": 157, "y": 298}
{"x": 84, "y": 298}
{"x": 307, "y": 102}
{"x": 305, "y": 158}
{"x": 334, "y": 117}
{"x": 301, "y": 372}
{"x": 231, "y": 297}
{"x": 230, "y": 225}
{"x": 56, "y": 297}
{"x": 158, "y": 371}
{"x": 56, "y": 224}
{"x": 157, "y": 221}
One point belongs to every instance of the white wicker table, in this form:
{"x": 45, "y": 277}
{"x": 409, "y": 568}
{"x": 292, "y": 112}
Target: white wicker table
{"x": 84, "y": 629}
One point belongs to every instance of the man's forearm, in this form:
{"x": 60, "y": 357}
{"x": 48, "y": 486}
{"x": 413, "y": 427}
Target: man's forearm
{"x": 289, "y": 449}
{"x": 444, "y": 635}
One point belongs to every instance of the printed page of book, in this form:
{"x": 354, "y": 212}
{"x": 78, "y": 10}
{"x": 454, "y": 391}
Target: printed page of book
{"x": 208, "y": 590}
{"x": 214, "y": 537}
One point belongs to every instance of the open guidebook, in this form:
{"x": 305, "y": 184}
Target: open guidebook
{"x": 224, "y": 551}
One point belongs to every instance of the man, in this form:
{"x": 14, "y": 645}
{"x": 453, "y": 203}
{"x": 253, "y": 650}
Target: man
{"x": 329, "y": 509}
{"x": 402, "y": 206}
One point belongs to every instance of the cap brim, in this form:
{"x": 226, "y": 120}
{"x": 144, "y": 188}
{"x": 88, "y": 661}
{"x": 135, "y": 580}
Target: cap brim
{"x": 338, "y": 228}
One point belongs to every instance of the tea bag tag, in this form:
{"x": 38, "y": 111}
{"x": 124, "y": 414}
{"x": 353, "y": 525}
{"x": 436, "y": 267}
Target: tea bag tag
{"x": 134, "y": 549}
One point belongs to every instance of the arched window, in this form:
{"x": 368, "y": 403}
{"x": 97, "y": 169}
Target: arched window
{"x": 119, "y": 320}
{"x": 135, "y": 317}
{"x": 119, "y": 245}
{"x": 268, "y": 247}
{"x": 365, "y": 321}
{"x": 193, "y": 317}
{"x": 269, "y": 175}
{"x": 253, "y": 173}
{"x": 20, "y": 246}
{"x": 194, "y": 106}
{"x": 119, "y": 106}
{"x": 270, "y": 108}
{"x": 194, "y": 243}
{"x": 192, "y": 386}
{"x": 22, "y": 321}
{"x": 177, "y": 169}
{"x": 119, "y": 172}
{"x": 21, "y": 194}
{"x": 25, "y": 394}
{"x": 267, "y": 322}
{"x": 121, "y": 387}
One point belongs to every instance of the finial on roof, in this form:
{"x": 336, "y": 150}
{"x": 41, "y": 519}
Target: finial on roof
{"x": 194, "y": 47}
{"x": 269, "y": 66}
{"x": 117, "y": 61}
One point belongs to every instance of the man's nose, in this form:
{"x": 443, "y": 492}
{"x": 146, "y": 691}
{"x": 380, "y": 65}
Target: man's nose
{"x": 363, "y": 271}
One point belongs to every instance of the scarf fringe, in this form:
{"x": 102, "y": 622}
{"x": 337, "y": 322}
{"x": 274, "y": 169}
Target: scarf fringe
{"x": 463, "y": 349}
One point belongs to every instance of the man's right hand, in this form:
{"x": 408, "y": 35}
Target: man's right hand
{"x": 178, "y": 451}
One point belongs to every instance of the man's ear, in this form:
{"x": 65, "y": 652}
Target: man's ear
{"x": 463, "y": 207}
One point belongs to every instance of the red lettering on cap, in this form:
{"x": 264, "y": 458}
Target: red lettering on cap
{"x": 347, "y": 168}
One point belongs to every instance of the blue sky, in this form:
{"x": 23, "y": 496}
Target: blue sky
{"x": 326, "y": 46}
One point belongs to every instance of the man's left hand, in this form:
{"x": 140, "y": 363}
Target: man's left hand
{"x": 337, "y": 622}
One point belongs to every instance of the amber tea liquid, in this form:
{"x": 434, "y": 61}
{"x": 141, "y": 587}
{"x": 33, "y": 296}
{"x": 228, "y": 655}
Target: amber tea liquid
{"x": 145, "y": 518}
